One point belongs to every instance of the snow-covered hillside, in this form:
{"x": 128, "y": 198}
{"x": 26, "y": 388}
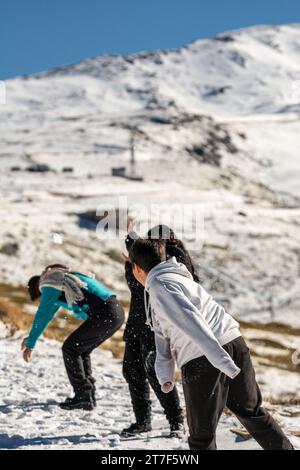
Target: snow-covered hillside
{"x": 31, "y": 419}
{"x": 248, "y": 71}
{"x": 209, "y": 120}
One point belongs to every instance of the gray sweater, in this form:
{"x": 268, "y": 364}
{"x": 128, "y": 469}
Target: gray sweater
{"x": 188, "y": 323}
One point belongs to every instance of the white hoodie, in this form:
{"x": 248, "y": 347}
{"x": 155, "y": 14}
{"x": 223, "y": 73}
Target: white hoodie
{"x": 187, "y": 322}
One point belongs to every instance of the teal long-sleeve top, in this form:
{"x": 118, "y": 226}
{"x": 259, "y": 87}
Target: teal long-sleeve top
{"x": 50, "y": 304}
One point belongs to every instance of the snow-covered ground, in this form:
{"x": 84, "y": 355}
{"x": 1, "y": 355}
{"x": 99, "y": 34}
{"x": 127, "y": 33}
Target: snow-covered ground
{"x": 31, "y": 419}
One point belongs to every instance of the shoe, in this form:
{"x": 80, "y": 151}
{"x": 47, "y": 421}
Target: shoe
{"x": 78, "y": 402}
{"x": 177, "y": 430}
{"x": 94, "y": 400}
{"x": 136, "y": 428}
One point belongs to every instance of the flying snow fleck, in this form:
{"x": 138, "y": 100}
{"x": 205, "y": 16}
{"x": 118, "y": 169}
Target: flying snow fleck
{"x": 57, "y": 238}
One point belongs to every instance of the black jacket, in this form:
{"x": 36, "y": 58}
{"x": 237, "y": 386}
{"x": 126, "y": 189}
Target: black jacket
{"x": 136, "y": 323}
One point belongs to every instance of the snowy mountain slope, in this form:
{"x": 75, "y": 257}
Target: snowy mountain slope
{"x": 195, "y": 143}
{"x": 275, "y": 141}
{"x": 31, "y": 419}
{"x": 241, "y": 74}
{"x": 248, "y": 71}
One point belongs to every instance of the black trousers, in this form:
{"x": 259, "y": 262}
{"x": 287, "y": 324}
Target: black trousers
{"x": 207, "y": 391}
{"x": 104, "y": 320}
{"x": 139, "y": 372}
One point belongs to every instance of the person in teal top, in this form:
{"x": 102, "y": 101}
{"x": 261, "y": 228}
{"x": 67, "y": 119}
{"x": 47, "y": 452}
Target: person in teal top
{"x": 88, "y": 299}
{"x": 52, "y": 300}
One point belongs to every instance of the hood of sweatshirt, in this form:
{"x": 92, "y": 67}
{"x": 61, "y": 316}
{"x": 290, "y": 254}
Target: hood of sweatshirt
{"x": 171, "y": 266}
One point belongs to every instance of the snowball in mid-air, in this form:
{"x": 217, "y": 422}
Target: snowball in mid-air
{"x": 57, "y": 238}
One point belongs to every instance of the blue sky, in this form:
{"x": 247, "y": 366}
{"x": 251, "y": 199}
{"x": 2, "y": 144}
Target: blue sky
{"x": 37, "y": 35}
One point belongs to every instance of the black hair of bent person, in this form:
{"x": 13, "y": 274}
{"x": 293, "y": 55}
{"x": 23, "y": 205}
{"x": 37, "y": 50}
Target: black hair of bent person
{"x": 147, "y": 253}
{"x": 33, "y": 287}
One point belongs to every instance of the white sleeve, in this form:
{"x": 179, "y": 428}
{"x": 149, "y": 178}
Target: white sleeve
{"x": 169, "y": 300}
{"x": 164, "y": 363}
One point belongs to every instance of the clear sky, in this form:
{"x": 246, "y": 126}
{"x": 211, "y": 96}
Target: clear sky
{"x": 37, "y": 35}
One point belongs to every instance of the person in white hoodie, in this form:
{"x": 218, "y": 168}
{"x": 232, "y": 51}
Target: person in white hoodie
{"x": 192, "y": 329}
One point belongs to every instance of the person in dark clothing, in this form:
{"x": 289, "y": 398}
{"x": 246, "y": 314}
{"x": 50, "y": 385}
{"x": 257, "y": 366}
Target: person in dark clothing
{"x": 140, "y": 350}
{"x": 104, "y": 319}
{"x": 88, "y": 300}
{"x": 139, "y": 372}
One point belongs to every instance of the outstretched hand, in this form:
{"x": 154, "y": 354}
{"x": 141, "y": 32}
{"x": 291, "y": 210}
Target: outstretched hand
{"x": 26, "y": 351}
{"x": 27, "y": 355}
{"x": 129, "y": 225}
{"x": 167, "y": 387}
